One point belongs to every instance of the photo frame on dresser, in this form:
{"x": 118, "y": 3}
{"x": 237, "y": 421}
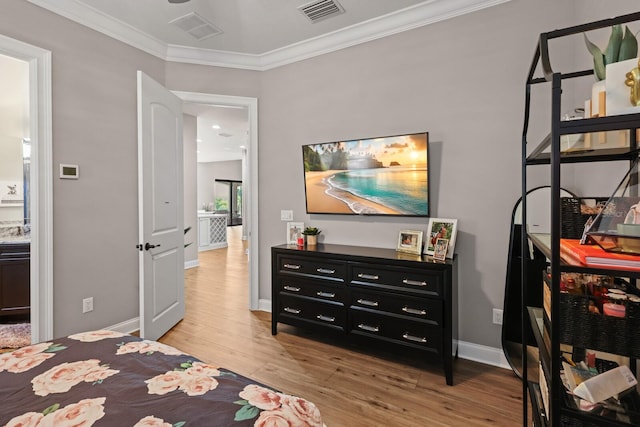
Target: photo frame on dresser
{"x": 441, "y": 228}
{"x": 440, "y": 251}
{"x": 294, "y": 232}
{"x": 409, "y": 241}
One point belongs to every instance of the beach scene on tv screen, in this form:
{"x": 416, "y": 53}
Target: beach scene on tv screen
{"x": 378, "y": 176}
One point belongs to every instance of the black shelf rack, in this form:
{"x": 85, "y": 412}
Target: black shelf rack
{"x": 548, "y": 152}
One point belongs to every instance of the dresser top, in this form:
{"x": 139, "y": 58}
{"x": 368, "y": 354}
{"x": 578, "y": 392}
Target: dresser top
{"x": 348, "y": 251}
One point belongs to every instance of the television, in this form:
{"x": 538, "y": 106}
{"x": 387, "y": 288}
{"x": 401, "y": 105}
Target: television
{"x": 386, "y": 176}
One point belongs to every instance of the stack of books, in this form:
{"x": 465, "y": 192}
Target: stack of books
{"x": 573, "y": 252}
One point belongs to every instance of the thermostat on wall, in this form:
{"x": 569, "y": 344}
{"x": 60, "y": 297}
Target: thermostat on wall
{"x": 68, "y": 171}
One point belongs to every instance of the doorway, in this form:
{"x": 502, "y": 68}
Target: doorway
{"x": 38, "y": 202}
{"x": 15, "y": 220}
{"x": 228, "y": 197}
{"x": 250, "y": 177}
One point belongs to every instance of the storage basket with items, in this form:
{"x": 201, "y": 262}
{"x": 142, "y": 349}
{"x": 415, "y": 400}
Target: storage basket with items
{"x": 597, "y": 312}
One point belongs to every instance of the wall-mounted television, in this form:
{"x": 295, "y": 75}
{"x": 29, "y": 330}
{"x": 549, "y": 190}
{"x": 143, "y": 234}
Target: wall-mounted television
{"x": 386, "y": 176}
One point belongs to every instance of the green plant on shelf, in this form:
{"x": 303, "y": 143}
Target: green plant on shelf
{"x": 621, "y": 46}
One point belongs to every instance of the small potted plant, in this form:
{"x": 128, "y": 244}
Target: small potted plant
{"x": 311, "y": 234}
{"x": 622, "y": 45}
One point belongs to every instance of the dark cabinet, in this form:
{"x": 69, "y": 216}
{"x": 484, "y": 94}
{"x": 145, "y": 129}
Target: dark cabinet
{"x": 378, "y": 295}
{"x": 14, "y": 279}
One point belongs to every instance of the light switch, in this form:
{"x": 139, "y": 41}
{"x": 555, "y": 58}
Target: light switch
{"x": 286, "y": 215}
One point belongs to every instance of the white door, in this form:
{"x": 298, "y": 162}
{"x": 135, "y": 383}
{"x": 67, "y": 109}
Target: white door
{"x": 160, "y": 208}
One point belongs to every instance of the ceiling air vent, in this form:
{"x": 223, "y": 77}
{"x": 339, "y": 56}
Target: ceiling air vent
{"x": 321, "y": 9}
{"x": 196, "y": 26}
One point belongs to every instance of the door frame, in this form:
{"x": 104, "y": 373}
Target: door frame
{"x": 40, "y": 124}
{"x": 250, "y": 189}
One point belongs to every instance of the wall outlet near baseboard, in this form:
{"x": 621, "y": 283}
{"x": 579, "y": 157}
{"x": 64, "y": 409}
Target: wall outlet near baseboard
{"x": 497, "y": 316}
{"x": 87, "y": 305}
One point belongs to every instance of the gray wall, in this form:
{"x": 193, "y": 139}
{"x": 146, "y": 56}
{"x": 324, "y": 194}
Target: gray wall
{"x": 461, "y": 80}
{"x": 94, "y": 126}
{"x": 210, "y": 171}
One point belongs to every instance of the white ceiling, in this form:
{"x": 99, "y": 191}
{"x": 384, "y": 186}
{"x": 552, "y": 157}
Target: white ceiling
{"x": 253, "y": 34}
{"x": 225, "y": 143}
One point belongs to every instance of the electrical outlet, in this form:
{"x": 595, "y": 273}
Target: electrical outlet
{"x": 87, "y": 305}
{"x": 497, "y": 316}
{"x": 286, "y": 215}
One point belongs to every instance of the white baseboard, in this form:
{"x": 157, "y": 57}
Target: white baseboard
{"x": 126, "y": 327}
{"x": 483, "y": 354}
{"x": 191, "y": 264}
{"x": 264, "y": 305}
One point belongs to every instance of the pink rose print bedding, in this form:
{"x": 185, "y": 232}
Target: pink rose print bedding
{"x": 105, "y": 378}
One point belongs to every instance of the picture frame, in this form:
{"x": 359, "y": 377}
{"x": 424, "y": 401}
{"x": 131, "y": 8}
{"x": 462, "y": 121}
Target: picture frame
{"x": 294, "y": 232}
{"x": 410, "y": 241}
{"x": 441, "y": 228}
{"x": 440, "y": 250}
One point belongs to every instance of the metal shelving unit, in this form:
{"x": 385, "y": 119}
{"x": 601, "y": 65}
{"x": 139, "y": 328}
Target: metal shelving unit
{"x": 559, "y": 410}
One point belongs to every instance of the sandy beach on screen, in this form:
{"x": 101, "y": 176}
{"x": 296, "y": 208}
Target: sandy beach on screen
{"x": 319, "y": 201}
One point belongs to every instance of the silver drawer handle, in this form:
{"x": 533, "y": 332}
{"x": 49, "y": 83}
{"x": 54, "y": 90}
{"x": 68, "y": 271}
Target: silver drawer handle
{"x": 325, "y": 271}
{"x": 368, "y": 276}
{"x": 325, "y": 318}
{"x": 292, "y": 266}
{"x": 292, "y": 288}
{"x": 414, "y": 311}
{"x": 406, "y": 336}
{"x": 292, "y": 310}
{"x": 367, "y": 302}
{"x": 414, "y": 282}
{"x": 326, "y": 294}
{"x": 368, "y": 328}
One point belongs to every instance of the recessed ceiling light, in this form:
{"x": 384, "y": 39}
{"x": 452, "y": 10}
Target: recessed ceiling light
{"x": 198, "y": 140}
{"x": 216, "y": 126}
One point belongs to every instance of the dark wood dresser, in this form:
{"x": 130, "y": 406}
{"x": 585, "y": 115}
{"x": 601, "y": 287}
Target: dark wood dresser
{"x": 14, "y": 279}
{"x": 380, "y": 295}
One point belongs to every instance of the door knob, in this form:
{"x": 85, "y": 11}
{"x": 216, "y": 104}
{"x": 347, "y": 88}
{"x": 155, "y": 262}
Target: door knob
{"x": 148, "y": 246}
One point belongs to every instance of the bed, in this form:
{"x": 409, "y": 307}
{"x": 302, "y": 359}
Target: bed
{"x": 107, "y": 378}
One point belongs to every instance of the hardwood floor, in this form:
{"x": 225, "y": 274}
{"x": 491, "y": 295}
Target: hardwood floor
{"x": 352, "y": 385}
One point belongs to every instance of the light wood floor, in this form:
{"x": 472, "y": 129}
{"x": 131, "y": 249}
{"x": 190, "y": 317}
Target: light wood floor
{"x": 352, "y": 386}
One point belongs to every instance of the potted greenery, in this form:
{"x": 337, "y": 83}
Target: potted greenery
{"x": 621, "y": 46}
{"x": 311, "y": 234}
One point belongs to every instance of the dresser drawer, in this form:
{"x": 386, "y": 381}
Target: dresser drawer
{"x": 424, "y": 309}
{"x": 412, "y": 280}
{"x": 334, "y": 270}
{"x": 312, "y": 311}
{"x": 315, "y": 289}
{"x": 386, "y": 328}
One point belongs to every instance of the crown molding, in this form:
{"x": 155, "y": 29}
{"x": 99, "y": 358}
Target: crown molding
{"x": 105, "y": 24}
{"x": 416, "y": 16}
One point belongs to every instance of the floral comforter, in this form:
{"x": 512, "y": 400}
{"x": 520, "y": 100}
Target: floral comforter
{"x": 106, "y": 378}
